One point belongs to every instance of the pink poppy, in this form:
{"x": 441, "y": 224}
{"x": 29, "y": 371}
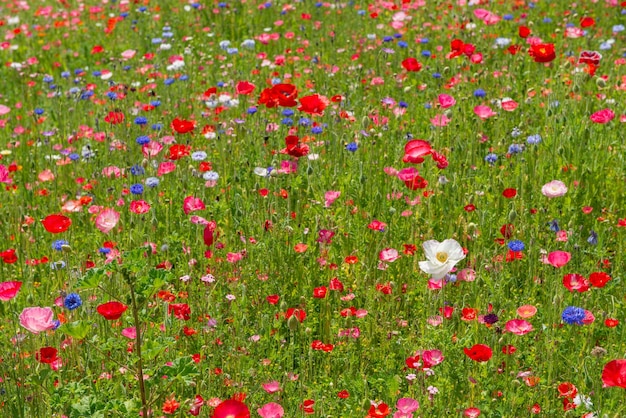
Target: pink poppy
{"x": 151, "y": 149}
{"x": 4, "y": 175}
{"x": 432, "y": 358}
{"x": 107, "y": 220}
{"x": 471, "y": 412}
{"x": 8, "y": 290}
{"x": 271, "y": 387}
{"x": 130, "y": 333}
{"x": 271, "y": 410}
{"x": 489, "y": 18}
{"x": 139, "y": 207}
{"x": 192, "y": 204}
{"x": 166, "y": 167}
{"x": 559, "y": 258}
{"x": 519, "y": 326}
{"x": 509, "y": 104}
{"x": 440, "y": 120}
{"x": 388, "y": 255}
{"x": 484, "y": 112}
{"x": 406, "y": 407}
{"x": 415, "y": 150}
{"x": 603, "y": 116}
{"x": 555, "y": 188}
{"x": 4, "y": 110}
{"x": 37, "y": 319}
{"x": 330, "y": 196}
{"x": 446, "y": 101}
{"x": 526, "y": 311}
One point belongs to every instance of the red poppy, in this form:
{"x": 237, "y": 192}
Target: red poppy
{"x": 8, "y": 290}
{"x": 479, "y": 352}
{"x": 47, "y": 355}
{"x": 413, "y": 362}
{"x": 9, "y": 256}
{"x": 379, "y": 411}
{"x": 244, "y": 87}
{"x": 411, "y": 64}
{"x": 208, "y": 236}
{"x": 440, "y": 159}
{"x": 587, "y": 21}
{"x": 180, "y": 310}
{"x": 178, "y": 151}
{"x": 344, "y": 394}
{"x": 313, "y": 105}
{"x": 320, "y": 292}
{"x": 307, "y": 406}
{"x": 599, "y": 279}
{"x": 523, "y": 32}
{"x": 611, "y": 322}
{"x": 114, "y": 118}
{"x": 415, "y": 151}
{"x": 575, "y": 282}
{"x": 469, "y": 208}
{"x": 279, "y": 95}
{"x": 507, "y": 230}
{"x": 183, "y": 126}
{"x": 567, "y": 390}
{"x": 170, "y": 406}
{"x": 231, "y": 408}
{"x": 112, "y": 310}
{"x": 509, "y": 193}
{"x": 272, "y": 299}
{"x": 542, "y": 52}
{"x": 614, "y": 374}
{"x": 55, "y": 224}
{"x": 416, "y": 182}
{"x": 294, "y": 148}
{"x": 336, "y": 284}
{"x": 300, "y": 314}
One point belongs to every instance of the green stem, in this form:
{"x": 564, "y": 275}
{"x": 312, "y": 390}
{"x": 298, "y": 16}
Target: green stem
{"x": 142, "y": 387}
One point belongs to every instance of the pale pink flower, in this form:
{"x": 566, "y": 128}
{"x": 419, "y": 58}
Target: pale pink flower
{"x": 555, "y": 188}
{"x": 561, "y": 236}
{"x": 233, "y": 257}
{"x": 440, "y": 120}
{"x": 128, "y": 54}
{"x": 37, "y": 319}
{"x": 484, "y": 112}
{"x": 388, "y": 255}
{"x": 271, "y": 410}
{"x": 46, "y": 175}
{"x": 111, "y": 171}
{"x": 151, "y": 149}
{"x": 330, "y": 196}
{"x": 165, "y": 168}
{"x": 4, "y": 110}
{"x": 107, "y": 220}
{"x": 508, "y": 104}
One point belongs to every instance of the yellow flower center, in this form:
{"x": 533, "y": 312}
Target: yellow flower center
{"x": 442, "y": 257}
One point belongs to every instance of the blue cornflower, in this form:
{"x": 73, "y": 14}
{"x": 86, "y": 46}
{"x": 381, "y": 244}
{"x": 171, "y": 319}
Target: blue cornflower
{"x": 72, "y": 301}
{"x": 252, "y": 110}
{"x": 73, "y": 156}
{"x": 142, "y": 140}
{"x": 288, "y": 112}
{"x": 141, "y": 120}
{"x": 169, "y": 81}
{"x": 516, "y": 245}
{"x": 533, "y": 139}
{"x": 436, "y": 75}
{"x": 317, "y": 130}
{"x": 58, "y": 244}
{"x": 554, "y": 226}
{"x": 39, "y": 111}
{"x": 403, "y": 44}
{"x": 304, "y": 122}
{"x": 104, "y": 250}
{"x": 403, "y": 105}
{"x": 157, "y": 127}
{"x": 491, "y": 158}
{"x": 137, "y": 170}
{"x": 426, "y": 54}
{"x": 211, "y": 176}
{"x": 112, "y": 95}
{"x": 152, "y": 182}
{"x": 352, "y": 146}
{"x": 136, "y": 189}
{"x": 593, "y": 238}
{"x": 387, "y": 39}
{"x": 479, "y": 93}
{"x": 515, "y": 149}
{"x": 573, "y": 315}
{"x": 198, "y": 156}
{"x": 287, "y": 121}
{"x": 48, "y": 79}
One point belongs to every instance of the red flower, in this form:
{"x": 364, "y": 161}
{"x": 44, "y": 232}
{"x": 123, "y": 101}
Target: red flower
{"x": 300, "y": 314}
{"x": 479, "y": 352}
{"x": 411, "y": 64}
{"x": 272, "y": 299}
{"x": 509, "y": 193}
{"x": 614, "y": 374}
{"x": 279, "y": 95}
{"x": 567, "y": 390}
{"x": 469, "y": 208}
{"x": 575, "y": 282}
{"x": 294, "y": 148}
{"x": 587, "y": 21}
{"x": 8, "y": 290}
{"x": 313, "y": 105}
{"x": 542, "y": 52}
{"x": 180, "y": 310}
{"x": 307, "y": 406}
{"x": 8, "y": 256}
{"x": 611, "y": 322}
{"x": 413, "y": 362}
{"x": 170, "y": 406}
{"x": 320, "y": 292}
{"x": 244, "y": 87}
{"x": 47, "y": 355}
{"x": 343, "y": 394}
{"x": 523, "y": 32}
{"x": 114, "y": 118}
{"x": 178, "y": 151}
{"x": 208, "y": 235}
{"x": 55, "y": 224}
{"x": 589, "y": 57}
{"x": 507, "y": 230}
{"x": 231, "y": 408}
{"x": 379, "y": 411}
{"x": 182, "y": 126}
{"x": 336, "y": 284}
{"x": 599, "y": 279}
{"x": 112, "y": 310}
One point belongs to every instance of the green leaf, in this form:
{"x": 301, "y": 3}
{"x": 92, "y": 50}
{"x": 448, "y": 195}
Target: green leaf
{"x": 92, "y": 279}
{"x": 182, "y": 368}
{"x": 78, "y": 329}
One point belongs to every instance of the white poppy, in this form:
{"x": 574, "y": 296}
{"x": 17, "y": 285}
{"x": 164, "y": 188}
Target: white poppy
{"x": 441, "y": 257}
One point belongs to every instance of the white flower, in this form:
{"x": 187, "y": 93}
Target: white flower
{"x": 442, "y": 257}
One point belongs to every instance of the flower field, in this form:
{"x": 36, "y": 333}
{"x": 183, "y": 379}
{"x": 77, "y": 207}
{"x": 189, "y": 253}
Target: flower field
{"x": 297, "y": 208}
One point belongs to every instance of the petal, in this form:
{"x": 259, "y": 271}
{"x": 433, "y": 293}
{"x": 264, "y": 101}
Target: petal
{"x": 430, "y": 250}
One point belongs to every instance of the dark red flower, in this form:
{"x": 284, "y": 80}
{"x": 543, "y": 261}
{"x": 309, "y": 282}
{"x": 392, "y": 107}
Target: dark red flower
{"x": 509, "y": 193}
{"x": 56, "y": 224}
{"x": 47, "y": 355}
{"x": 479, "y": 352}
{"x": 300, "y": 314}
{"x": 231, "y": 408}
{"x": 614, "y": 374}
{"x": 507, "y": 230}
{"x": 208, "y": 235}
{"x": 182, "y": 126}
{"x": 112, "y": 310}
{"x": 411, "y": 64}
{"x": 542, "y": 52}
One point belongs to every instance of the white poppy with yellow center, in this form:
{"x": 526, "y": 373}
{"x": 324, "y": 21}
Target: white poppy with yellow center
{"x": 441, "y": 257}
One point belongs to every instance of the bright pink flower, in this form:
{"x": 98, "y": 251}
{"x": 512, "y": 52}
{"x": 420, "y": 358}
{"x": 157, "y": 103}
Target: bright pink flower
{"x": 415, "y": 150}
{"x": 489, "y": 18}
{"x": 130, "y": 333}
{"x": 484, "y": 112}
{"x": 559, "y": 258}
{"x": 37, "y": 319}
{"x": 4, "y": 175}
{"x": 406, "y": 407}
{"x": 139, "y": 207}
{"x": 192, "y": 204}
{"x": 107, "y": 220}
{"x": 471, "y": 412}
{"x": 432, "y": 358}
{"x": 271, "y": 410}
{"x": 603, "y": 116}
{"x": 519, "y": 326}
{"x": 271, "y": 387}
{"x": 440, "y": 120}
{"x": 509, "y": 104}
{"x": 231, "y": 408}
{"x": 446, "y": 101}
{"x": 8, "y": 290}
{"x": 151, "y": 149}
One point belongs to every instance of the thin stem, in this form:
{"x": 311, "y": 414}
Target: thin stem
{"x": 142, "y": 387}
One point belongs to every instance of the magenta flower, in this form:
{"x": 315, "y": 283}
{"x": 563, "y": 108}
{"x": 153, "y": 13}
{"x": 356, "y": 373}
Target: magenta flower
{"x": 37, "y": 319}
{"x": 603, "y": 116}
{"x": 192, "y": 204}
{"x": 559, "y": 258}
{"x": 388, "y": 255}
{"x": 484, "y": 112}
{"x": 519, "y": 326}
{"x": 406, "y": 407}
{"x": 8, "y": 290}
{"x": 330, "y": 196}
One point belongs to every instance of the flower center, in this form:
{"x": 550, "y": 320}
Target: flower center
{"x": 442, "y": 257}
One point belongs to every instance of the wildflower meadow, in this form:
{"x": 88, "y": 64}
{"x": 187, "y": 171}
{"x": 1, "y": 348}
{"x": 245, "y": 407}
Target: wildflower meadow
{"x": 409, "y": 208}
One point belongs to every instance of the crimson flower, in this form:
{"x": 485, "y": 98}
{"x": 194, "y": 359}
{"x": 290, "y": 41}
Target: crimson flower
{"x": 313, "y": 105}
{"x": 542, "y": 52}
{"x": 180, "y": 310}
{"x": 111, "y": 310}
{"x": 183, "y": 126}
{"x": 8, "y": 256}
{"x": 320, "y": 292}
{"x": 411, "y": 64}
{"x": 294, "y": 148}
{"x": 614, "y": 374}
{"x": 178, "y": 151}
{"x": 55, "y": 224}
{"x": 8, "y": 290}
{"x": 599, "y": 279}
{"x": 279, "y": 95}
{"x": 479, "y": 352}
{"x": 300, "y": 314}
{"x": 47, "y": 355}
{"x": 114, "y": 118}
{"x": 231, "y": 408}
